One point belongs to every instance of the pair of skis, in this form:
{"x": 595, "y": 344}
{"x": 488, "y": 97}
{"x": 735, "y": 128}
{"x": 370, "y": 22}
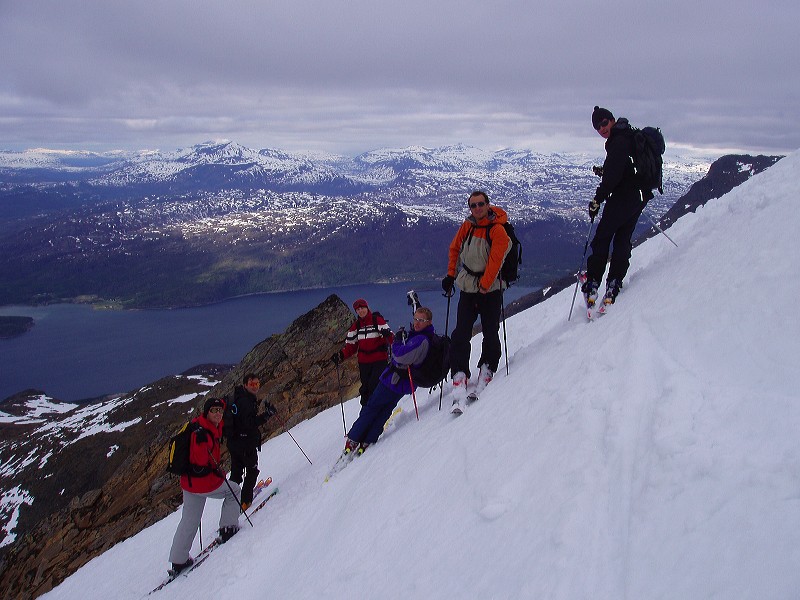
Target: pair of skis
{"x": 593, "y": 308}
{"x": 457, "y": 409}
{"x": 216, "y": 543}
{"x": 346, "y": 458}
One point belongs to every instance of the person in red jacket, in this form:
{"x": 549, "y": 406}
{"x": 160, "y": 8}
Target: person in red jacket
{"x": 370, "y": 337}
{"x": 206, "y": 480}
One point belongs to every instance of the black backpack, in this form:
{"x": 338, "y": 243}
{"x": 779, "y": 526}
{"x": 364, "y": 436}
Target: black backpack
{"x": 434, "y": 368}
{"x": 178, "y": 456}
{"x": 509, "y": 272}
{"x": 649, "y": 147}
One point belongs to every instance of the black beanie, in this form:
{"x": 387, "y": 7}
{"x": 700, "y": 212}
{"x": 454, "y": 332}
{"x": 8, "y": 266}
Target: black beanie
{"x": 211, "y": 403}
{"x": 598, "y": 114}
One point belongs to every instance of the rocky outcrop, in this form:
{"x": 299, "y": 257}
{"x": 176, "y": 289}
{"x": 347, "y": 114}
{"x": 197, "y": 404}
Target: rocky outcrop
{"x": 723, "y": 175}
{"x": 294, "y": 367}
{"x": 14, "y": 326}
{"x": 298, "y": 378}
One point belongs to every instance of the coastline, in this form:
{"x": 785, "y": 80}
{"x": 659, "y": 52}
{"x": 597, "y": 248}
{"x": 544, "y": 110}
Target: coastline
{"x": 98, "y": 303}
{"x": 15, "y": 326}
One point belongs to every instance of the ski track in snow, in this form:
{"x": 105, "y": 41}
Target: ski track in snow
{"x": 649, "y": 454}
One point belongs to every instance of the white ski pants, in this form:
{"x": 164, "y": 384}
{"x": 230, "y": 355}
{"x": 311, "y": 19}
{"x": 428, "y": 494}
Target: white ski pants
{"x": 193, "y": 505}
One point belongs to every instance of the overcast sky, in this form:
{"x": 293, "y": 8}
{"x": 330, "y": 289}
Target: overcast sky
{"x": 348, "y": 76}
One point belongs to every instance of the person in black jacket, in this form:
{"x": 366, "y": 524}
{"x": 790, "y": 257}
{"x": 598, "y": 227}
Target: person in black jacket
{"x": 241, "y": 430}
{"x": 620, "y": 189}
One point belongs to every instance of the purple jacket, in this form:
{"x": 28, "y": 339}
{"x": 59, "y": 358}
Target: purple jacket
{"x": 412, "y": 353}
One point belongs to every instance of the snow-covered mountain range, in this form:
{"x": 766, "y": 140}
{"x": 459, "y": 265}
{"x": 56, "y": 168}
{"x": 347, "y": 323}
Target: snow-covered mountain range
{"x": 410, "y": 175}
{"x": 234, "y": 220}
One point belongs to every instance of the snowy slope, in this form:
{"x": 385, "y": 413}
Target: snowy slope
{"x": 652, "y": 454}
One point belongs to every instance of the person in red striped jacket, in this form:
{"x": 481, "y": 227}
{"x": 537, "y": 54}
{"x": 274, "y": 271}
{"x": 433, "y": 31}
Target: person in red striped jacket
{"x": 370, "y": 337}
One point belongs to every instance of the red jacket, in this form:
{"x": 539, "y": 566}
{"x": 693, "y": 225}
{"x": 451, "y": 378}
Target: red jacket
{"x": 202, "y": 441}
{"x": 370, "y": 337}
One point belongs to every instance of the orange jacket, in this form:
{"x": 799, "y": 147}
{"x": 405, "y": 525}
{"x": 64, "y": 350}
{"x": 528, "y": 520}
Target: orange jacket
{"x": 480, "y": 261}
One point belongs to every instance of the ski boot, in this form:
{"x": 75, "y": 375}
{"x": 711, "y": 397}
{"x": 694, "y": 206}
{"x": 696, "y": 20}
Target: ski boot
{"x": 178, "y": 568}
{"x": 484, "y": 378}
{"x": 589, "y": 289}
{"x": 226, "y": 533}
{"x": 459, "y": 393}
{"x": 613, "y": 286}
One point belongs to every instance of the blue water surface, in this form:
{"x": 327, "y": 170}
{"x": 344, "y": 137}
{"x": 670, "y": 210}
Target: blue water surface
{"x": 75, "y": 352}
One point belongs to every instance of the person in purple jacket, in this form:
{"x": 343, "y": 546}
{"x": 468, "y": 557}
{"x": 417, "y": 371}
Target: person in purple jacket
{"x": 394, "y": 383}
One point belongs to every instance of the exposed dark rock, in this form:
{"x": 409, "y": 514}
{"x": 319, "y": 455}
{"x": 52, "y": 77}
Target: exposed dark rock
{"x": 724, "y": 174}
{"x": 14, "y": 326}
{"x": 111, "y": 495}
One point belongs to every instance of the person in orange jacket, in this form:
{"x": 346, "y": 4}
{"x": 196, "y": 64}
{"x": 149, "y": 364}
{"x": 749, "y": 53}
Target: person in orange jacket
{"x": 480, "y": 246}
{"x": 205, "y": 480}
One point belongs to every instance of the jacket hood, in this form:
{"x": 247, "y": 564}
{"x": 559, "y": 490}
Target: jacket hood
{"x": 496, "y": 215}
{"x": 206, "y": 424}
{"x": 621, "y": 126}
{"x": 426, "y": 331}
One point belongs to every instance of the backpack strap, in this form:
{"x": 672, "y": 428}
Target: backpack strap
{"x": 201, "y": 471}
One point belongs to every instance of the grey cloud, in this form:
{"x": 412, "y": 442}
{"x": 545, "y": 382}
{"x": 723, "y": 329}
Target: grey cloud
{"x": 349, "y": 76}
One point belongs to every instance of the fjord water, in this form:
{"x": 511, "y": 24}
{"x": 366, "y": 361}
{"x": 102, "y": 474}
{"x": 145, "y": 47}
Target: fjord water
{"x": 75, "y": 352}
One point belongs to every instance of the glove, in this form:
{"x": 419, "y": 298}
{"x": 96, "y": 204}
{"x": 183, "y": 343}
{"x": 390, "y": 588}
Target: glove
{"x": 594, "y": 208}
{"x": 597, "y": 170}
{"x": 269, "y": 410}
{"x": 387, "y": 333}
{"x": 336, "y": 358}
{"x": 447, "y": 284}
{"x": 402, "y": 335}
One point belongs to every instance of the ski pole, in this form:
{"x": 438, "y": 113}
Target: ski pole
{"x": 286, "y": 429}
{"x": 655, "y": 224}
{"x": 447, "y": 295}
{"x": 503, "y": 310}
{"x": 201, "y": 536}
{"x": 341, "y": 401}
{"x": 413, "y": 393}
{"x": 228, "y": 483}
{"x": 580, "y": 266}
{"x": 413, "y": 300}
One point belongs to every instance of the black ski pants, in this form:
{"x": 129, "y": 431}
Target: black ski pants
{"x": 616, "y": 226}
{"x": 370, "y": 377}
{"x": 470, "y": 307}
{"x": 244, "y": 470}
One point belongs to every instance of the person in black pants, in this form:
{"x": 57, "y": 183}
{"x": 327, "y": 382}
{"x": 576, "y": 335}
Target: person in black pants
{"x": 241, "y": 430}
{"x": 479, "y": 248}
{"x": 621, "y": 189}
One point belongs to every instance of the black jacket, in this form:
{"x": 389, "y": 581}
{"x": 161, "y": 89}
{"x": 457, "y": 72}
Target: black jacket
{"x": 241, "y": 421}
{"x": 619, "y": 182}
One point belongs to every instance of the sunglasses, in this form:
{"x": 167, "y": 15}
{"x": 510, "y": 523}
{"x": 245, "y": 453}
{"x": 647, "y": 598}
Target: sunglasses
{"x": 418, "y": 320}
{"x": 477, "y": 204}
{"x": 217, "y": 409}
{"x": 602, "y": 124}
